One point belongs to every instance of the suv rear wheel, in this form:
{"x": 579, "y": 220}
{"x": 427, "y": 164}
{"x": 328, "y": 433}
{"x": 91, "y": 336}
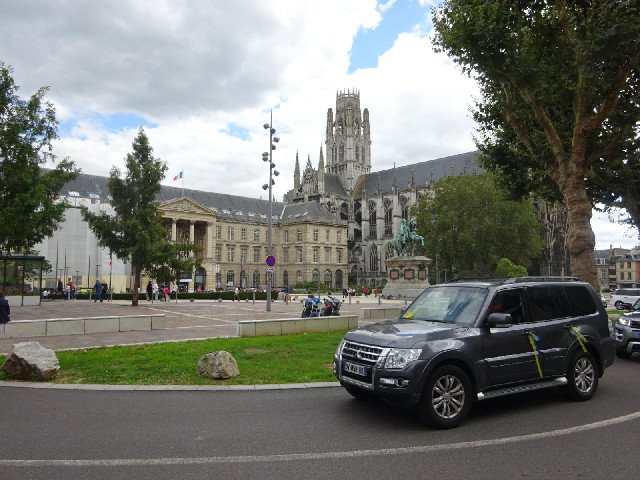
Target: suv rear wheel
{"x": 582, "y": 375}
{"x": 446, "y": 399}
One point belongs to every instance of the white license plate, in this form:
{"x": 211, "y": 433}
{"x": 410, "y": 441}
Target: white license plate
{"x": 354, "y": 368}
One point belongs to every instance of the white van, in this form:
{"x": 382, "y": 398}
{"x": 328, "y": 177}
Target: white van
{"x": 624, "y": 295}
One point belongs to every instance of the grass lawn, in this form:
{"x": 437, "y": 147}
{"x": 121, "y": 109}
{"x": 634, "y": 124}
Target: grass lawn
{"x": 261, "y": 360}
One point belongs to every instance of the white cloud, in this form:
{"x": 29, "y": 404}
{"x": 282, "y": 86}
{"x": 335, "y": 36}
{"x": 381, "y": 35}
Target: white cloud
{"x": 194, "y": 68}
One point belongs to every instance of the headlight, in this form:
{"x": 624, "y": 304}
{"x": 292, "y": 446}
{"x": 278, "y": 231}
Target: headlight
{"x": 401, "y": 357}
{"x": 623, "y": 321}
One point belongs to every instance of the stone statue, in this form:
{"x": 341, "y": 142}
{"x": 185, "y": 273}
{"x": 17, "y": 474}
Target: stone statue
{"x": 408, "y": 235}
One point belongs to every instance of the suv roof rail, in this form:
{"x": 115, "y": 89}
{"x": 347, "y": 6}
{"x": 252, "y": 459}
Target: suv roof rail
{"x": 476, "y": 279}
{"x": 533, "y": 278}
{"x": 542, "y": 279}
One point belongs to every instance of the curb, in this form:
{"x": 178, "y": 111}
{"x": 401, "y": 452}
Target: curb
{"x": 173, "y": 388}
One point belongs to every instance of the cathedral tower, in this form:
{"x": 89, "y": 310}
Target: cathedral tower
{"x": 348, "y": 140}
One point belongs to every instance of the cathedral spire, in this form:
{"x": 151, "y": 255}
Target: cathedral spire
{"x": 321, "y": 172}
{"x": 296, "y": 175}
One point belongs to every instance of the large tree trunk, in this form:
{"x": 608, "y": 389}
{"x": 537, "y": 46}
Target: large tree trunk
{"x": 136, "y": 287}
{"x": 581, "y": 240}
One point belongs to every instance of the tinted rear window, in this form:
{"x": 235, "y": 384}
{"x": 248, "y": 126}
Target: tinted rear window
{"x": 547, "y": 303}
{"x": 581, "y": 300}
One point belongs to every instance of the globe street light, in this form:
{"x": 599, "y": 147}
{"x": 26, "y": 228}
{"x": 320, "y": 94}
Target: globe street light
{"x": 268, "y": 157}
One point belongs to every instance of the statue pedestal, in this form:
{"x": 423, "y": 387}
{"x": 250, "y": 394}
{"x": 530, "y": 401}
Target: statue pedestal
{"x": 407, "y": 276}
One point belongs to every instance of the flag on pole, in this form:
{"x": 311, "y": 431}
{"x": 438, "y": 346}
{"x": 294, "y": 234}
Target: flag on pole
{"x": 178, "y": 176}
{"x": 110, "y": 258}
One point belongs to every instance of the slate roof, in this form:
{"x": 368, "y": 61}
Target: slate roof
{"x": 424, "y": 173}
{"x": 305, "y": 211}
{"x": 253, "y": 209}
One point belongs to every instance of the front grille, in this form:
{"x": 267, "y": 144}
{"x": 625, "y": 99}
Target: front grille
{"x": 635, "y": 323}
{"x": 360, "y": 354}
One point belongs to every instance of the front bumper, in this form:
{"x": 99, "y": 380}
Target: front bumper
{"x": 626, "y": 338}
{"x": 399, "y": 385}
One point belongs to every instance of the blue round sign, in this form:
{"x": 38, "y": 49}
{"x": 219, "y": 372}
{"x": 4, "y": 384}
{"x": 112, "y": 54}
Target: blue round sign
{"x": 271, "y": 261}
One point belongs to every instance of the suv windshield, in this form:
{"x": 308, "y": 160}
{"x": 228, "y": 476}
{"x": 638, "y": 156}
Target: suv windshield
{"x": 451, "y": 304}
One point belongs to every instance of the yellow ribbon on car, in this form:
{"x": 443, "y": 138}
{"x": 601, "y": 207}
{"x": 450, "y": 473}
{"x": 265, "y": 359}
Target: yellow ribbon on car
{"x": 581, "y": 340}
{"x": 533, "y": 339}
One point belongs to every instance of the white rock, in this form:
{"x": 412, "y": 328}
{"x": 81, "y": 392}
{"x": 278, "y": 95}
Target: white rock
{"x": 31, "y": 361}
{"x": 218, "y": 365}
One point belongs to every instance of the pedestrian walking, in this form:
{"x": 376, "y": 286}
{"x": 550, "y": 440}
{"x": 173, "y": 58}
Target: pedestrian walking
{"x": 5, "y": 309}
{"x": 98, "y": 289}
{"x": 286, "y": 293}
{"x": 149, "y": 291}
{"x": 105, "y": 288}
{"x": 236, "y": 294}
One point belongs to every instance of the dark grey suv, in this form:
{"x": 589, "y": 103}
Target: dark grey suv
{"x": 472, "y": 340}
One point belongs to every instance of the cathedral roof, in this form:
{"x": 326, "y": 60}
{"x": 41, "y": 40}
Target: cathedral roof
{"x": 424, "y": 173}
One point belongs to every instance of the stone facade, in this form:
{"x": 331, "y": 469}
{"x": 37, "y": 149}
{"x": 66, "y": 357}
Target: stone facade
{"x": 374, "y": 203}
{"x": 230, "y": 232}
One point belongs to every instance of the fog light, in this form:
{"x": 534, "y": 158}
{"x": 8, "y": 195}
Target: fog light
{"x": 388, "y": 381}
{"x": 394, "y": 382}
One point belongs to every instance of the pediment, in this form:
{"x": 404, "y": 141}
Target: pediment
{"x": 184, "y": 205}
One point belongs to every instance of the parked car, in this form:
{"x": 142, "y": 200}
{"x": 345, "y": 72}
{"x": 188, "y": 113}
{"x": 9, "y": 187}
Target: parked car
{"x": 474, "y": 340}
{"x": 626, "y": 332}
{"x": 625, "y": 295}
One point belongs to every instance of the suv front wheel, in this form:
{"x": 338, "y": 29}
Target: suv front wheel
{"x": 446, "y": 399}
{"x": 582, "y": 375}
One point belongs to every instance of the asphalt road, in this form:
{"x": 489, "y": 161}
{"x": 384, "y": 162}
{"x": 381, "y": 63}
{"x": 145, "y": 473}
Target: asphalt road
{"x": 316, "y": 433}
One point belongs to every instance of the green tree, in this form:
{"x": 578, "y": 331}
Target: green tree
{"x": 28, "y": 207}
{"x": 507, "y": 269}
{"x": 559, "y": 109}
{"x": 135, "y": 232}
{"x": 470, "y": 224}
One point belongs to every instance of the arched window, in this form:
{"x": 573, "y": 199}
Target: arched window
{"x": 315, "y": 276}
{"x": 339, "y": 279}
{"x": 298, "y": 276}
{"x": 285, "y": 277}
{"x": 388, "y": 217}
{"x": 327, "y": 278}
{"x": 230, "y": 278}
{"x": 389, "y": 252}
{"x": 243, "y": 279}
{"x": 373, "y": 220}
{"x": 404, "y": 206}
{"x": 373, "y": 258}
{"x": 256, "y": 279}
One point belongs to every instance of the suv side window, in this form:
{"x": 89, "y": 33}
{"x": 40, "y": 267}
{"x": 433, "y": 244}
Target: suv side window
{"x": 509, "y": 301}
{"x": 547, "y": 303}
{"x": 581, "y": 300}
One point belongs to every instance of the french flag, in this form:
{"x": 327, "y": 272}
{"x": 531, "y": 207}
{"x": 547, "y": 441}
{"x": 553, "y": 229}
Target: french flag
{"x": 178, "y": 176}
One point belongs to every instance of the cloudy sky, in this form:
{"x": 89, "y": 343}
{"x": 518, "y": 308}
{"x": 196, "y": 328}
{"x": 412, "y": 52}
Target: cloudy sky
{"x": 203, "y": 76}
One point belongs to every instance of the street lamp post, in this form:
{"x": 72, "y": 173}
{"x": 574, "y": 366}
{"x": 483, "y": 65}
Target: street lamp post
{"x": 268, "y": 157}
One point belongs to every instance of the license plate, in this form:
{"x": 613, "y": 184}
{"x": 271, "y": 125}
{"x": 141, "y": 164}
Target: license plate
{"x": 638, "y": 334}
{"x": 354, "y": 368}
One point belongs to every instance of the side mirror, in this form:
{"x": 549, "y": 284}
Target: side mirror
{"x": 499, "y": 320}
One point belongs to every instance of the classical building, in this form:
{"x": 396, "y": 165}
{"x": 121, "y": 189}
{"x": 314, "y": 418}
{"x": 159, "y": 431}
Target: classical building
{"x": 230, "y": 231}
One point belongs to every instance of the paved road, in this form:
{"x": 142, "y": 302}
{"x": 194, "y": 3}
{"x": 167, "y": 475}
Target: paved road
{"x": 184, "y": 320}
{"x": 316, "y": 433}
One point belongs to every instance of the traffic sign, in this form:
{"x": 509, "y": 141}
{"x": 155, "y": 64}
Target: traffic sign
{"x": 271, "y": 261}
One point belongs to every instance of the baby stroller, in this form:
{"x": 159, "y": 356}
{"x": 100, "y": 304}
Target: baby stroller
{"x": 311, "y": 308}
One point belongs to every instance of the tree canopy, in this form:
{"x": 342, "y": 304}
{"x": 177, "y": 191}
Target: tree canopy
{"x": 559, "y": 109}
{"x": 135, "y": 232}
{"x": 28, "y": 195}
{"x": 470, "y": 224}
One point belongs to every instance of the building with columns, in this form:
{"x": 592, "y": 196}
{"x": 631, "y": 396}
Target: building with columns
{"x": 230, "y": 232}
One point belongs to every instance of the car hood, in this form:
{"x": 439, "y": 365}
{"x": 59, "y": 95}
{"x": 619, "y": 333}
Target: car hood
{"x": 401, "y": 333}
{"x": 631, "y": 314}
